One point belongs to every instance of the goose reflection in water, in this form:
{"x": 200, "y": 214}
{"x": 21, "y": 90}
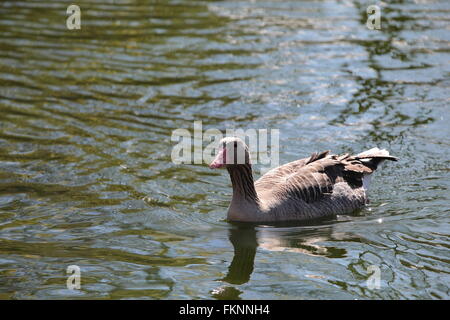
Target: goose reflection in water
{"x": 246, "y": 238}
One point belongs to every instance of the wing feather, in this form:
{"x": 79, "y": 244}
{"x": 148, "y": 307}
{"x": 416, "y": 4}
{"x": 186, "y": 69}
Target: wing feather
{"x": 311, "y": 179}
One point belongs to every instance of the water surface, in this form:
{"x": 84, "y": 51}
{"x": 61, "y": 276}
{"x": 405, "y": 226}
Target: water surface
{"x": 86, "y": 176}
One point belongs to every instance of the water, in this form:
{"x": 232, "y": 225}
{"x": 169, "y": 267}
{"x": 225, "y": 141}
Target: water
{"x": 86, "y": 176}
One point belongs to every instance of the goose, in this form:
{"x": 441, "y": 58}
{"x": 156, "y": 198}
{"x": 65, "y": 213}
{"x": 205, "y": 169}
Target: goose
{"x": 320, "y": 186}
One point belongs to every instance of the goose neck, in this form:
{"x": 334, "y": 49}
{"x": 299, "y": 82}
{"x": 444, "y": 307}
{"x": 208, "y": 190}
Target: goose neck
{"x": 242, "y": 181}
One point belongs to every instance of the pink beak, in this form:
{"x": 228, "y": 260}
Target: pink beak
{"x": 219, "y": 161}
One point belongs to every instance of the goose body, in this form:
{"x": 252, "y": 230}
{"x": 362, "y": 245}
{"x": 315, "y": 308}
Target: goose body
{"x": 318, "y": 186}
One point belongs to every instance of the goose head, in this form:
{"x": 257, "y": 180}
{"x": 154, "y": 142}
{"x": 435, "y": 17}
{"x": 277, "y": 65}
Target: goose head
{"x": 232, "y": 152}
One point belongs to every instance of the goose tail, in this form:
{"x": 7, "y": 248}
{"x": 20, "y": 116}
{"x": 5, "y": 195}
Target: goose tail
{"x": 372, "y": 159}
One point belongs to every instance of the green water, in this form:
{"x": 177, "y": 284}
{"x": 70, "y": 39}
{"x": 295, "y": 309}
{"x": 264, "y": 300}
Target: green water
{"x": 86, "y": 176}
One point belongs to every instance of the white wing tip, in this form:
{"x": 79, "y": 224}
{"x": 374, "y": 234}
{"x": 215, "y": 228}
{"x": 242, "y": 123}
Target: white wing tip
{"x": 375, "y": 151}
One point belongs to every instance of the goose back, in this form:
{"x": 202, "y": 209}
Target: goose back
{"x": 318, "y": 186}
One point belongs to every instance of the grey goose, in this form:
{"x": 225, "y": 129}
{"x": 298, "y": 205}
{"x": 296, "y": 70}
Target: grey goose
{"x": 319, "y": 186}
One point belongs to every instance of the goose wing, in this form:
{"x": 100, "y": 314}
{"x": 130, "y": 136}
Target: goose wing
{"x": 279, "y": 174}
{"x": 318, "y": 176}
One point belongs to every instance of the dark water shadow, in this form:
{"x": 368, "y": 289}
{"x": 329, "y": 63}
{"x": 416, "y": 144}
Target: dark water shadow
{"x": 393, "y": 123}
{"x": 296, "y": 237}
